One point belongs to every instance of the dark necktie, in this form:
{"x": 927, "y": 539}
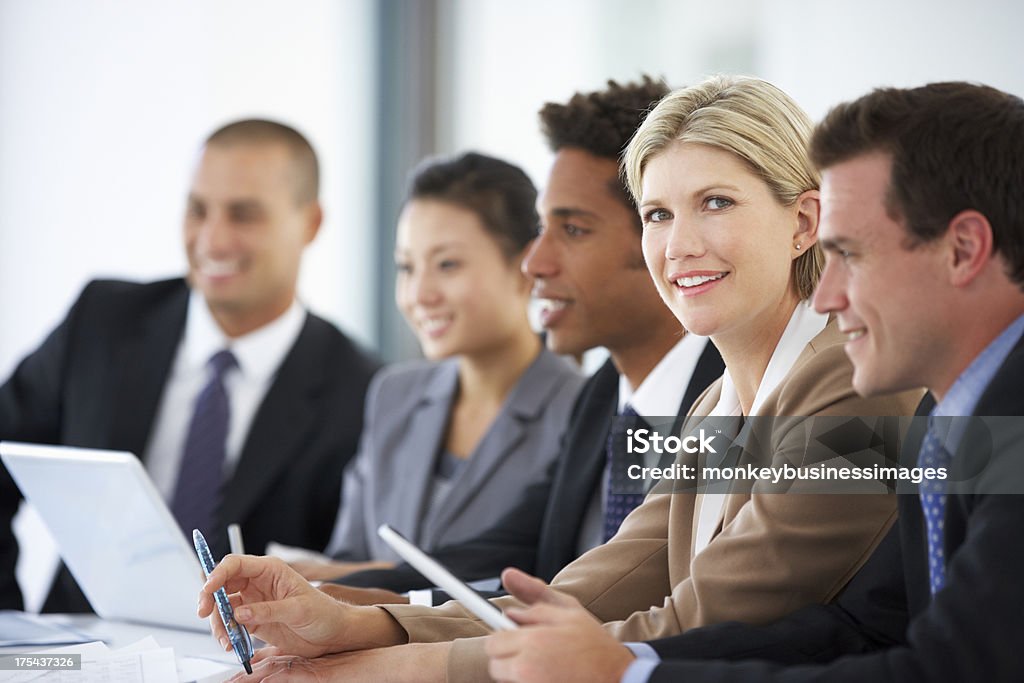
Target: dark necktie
{"x": 617, "y": 503}
{"x": 933, "y": 503}
{"x": 197, "y": 495}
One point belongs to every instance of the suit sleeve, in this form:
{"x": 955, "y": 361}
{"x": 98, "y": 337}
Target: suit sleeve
{"x": 869, "y": 614}
{"x": 30, "y": 410}
{"x": 971, "y": 630}
{"x": 512, "y": 542}
{"x": 349, "y": 541}
{"x": 638, "y": 566}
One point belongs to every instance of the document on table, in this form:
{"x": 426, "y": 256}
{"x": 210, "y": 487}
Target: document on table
{"x": 18, "y": 628}
{"x": 142, "y": 662}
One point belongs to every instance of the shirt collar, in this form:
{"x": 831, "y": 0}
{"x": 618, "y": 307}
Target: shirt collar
{"x": 661, "y": 392}
{"x": 804, "y": 325}
{"x": 259, "y": 353}
{"x": 963, "y": 396}
{"x": 966, "y": 391}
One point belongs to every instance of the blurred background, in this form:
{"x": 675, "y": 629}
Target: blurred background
{"x": 103, "y": 104}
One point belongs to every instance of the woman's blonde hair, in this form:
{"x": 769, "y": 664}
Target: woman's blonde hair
{"x": 754, "y": 120}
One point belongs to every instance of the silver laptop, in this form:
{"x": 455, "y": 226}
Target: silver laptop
{"x": 113, "y": 530}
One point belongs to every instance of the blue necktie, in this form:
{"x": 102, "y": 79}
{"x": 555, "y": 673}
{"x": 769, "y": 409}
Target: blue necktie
{"x": 619, "y": 505}
{"x": 933, "y": 503}
{"x": 197, "y": 495}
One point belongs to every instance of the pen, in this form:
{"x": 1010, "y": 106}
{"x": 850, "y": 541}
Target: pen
{"x": 238, "y": 634}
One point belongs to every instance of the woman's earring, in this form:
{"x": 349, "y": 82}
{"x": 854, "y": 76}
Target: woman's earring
{"x": 798, "y": 246}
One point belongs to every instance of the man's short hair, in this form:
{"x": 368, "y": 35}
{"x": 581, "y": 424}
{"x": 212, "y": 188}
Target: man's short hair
{"x": 602, "y": 122}
{"x": 954, "y": 146}
{"x": 263, "y": 131}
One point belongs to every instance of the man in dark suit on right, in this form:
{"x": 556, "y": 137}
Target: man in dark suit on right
{"x": 923, "y": 224}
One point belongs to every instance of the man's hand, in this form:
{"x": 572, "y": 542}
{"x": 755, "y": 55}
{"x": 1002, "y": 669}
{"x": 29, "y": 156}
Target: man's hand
{"x": 560, "y": 641}
{"x": 284, "y": 610}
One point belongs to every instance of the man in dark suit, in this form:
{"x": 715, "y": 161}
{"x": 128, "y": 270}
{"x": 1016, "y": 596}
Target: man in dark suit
{"x": 258, "y": 438}
{"x": 923, "y": 223}
{"x": 594, "y": 290}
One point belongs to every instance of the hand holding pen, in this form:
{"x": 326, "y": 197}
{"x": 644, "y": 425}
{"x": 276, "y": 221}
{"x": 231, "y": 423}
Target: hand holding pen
{"x": 236, "y": 634}
{"x": 284, "y": 610}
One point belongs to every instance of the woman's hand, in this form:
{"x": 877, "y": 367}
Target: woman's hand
{"x": 281, "y": 608}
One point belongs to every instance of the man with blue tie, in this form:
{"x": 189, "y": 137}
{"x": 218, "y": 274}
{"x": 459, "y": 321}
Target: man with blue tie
{"x": 243, "y": 406}
{"x": 923, "y": 224}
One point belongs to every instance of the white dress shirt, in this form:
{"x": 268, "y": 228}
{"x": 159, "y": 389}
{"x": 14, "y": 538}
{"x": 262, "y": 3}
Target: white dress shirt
{"x": 259, "y": 354}
{"x": 661, "y": 392}
{"x": 804, "y": 325}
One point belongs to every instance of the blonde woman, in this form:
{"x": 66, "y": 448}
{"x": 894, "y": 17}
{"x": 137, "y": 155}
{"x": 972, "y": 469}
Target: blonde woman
{"x": 729, "y": 202}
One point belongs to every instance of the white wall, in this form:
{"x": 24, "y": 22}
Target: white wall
{"x": 825, "y": 52}
{"x": 102, "y": 107}
{"x": 511, "y": 57}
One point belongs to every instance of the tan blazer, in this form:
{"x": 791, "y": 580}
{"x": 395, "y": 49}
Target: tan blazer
{"x": 771, "y": 554}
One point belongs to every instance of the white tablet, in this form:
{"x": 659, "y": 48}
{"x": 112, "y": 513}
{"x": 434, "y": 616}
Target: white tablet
{"x": 113, "y": 530}
{"x": 455, "y": 587}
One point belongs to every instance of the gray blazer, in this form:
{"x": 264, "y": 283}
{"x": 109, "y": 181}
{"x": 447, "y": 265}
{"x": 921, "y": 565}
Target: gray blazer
{"x": 391, "y": 478}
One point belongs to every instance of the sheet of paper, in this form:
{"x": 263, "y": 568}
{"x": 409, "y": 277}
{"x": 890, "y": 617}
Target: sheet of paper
{"x": 19, "y": 628}
{"x": 141, "y": 662}
{"x": 204, "y": 670}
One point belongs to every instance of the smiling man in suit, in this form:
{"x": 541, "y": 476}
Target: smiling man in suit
{"x": 923, "y": 224}
{"x": 243, "y": 406}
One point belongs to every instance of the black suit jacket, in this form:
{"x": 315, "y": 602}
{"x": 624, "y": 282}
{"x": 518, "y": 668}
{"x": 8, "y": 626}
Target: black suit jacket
{"x": 98, "y": 378}
{"x": 541, "y": 533}
{"x": 971, "y": 631}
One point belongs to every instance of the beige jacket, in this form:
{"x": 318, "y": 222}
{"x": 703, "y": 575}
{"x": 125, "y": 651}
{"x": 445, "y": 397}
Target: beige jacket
{"x": 770, "y": 555}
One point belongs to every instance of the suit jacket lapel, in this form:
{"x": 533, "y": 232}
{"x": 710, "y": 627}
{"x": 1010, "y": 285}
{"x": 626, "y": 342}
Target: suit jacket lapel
{"x": 710, "y": 367}
{"x": 588, "y": 445}
{"x": 579, "y": 471}
{"x": 503, "y": 436}
{"x": 524, "y": 405}
{"x": 425, "y": 435}
{"x": 141, "y": 370}
{"x": 701, "y": 408}
{"x": 911, "y": 518}
{"x": 280, "y": 427}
